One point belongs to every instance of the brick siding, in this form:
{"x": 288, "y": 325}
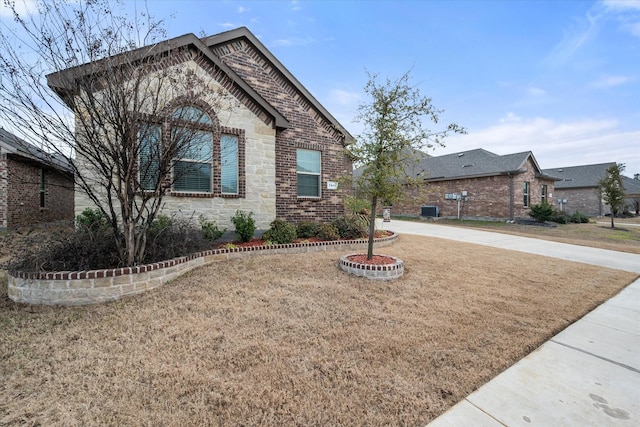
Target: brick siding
{"x": 487, "y": 197}
{"x": 583, "y": 200}
{"x": 21, "y": 194}
{"x": 309, "y": 130}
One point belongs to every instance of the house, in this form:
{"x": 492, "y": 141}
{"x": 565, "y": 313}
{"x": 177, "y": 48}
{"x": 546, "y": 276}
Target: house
{"x": 478, "y": 184}
{"x": 578, "y": 189}
{"x": 632, "y": 194}
{"x": 286, "y": 148}
{"x": 35, "y": 186}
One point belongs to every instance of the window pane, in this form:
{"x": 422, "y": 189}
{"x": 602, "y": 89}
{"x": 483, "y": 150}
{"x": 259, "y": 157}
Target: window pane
{"x": 308, "y": 185}
{"x": 308, "y": 161}
{"x": 229, "y": 163}
{"x": 193, "y": 144}
{"x": 150, "y": 136}
{"x": 192, "y": 114}
{"x": 190, "y": 176}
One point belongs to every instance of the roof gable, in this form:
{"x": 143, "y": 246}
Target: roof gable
{"x": 226, "y": 44}
{"x": 61, "y": 82}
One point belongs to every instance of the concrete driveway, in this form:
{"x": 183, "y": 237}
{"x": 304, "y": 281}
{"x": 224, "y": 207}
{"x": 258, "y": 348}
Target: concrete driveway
{"x": 587, "y": 375}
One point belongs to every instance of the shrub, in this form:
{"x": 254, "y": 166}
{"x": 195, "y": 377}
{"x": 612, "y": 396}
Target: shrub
{"x": 542, "y": 212}
{"x": 328, "y": 232}
{"x": 210, "y": 230}
{"x": 245, "y": 225}
{"x": 91, "y": 220}
{"x": 280, "y": 232}
{"x": 349, "y": 227}
{"x": 160, "y": 223}
{"x": 560, "y": 218}
{"x": 579, "y": 218}
{"x": 307, "y": 229}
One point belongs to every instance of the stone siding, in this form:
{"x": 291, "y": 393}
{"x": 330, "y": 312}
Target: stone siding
{"x": 20, "y": 193}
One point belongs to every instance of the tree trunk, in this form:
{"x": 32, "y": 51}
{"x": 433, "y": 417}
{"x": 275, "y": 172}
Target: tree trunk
{"x": 372, "y": 226}
{"x": 612, "y": 226}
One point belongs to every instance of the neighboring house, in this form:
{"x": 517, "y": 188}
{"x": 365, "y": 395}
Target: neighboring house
{"x": 287, "y": 148}
{"x": 35, "y": 186}
{"x": 578, "y": 190}
{"x": 478, "y": 184}
{"x": 632, "y": 194}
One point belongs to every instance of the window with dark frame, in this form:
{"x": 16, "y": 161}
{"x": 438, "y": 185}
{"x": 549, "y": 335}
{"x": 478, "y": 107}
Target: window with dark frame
{"x": 43, "y": 189}
{"x": 308, "y": 168}
{"x": 193, "y": 170}
{"x": 543, "y": 193}
{"x": 526, "y": 196}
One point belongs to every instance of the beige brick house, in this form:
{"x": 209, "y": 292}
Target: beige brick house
{"x": 286, "y": 149}
{"x": 478, "y": 184}
{"x": 35, "y": 187}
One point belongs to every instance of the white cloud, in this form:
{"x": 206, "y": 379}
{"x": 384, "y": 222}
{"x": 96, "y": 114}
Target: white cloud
{"x": 610, "y": 81}
{"x": 583, "y": 31}
{"x": 294, "y": 41}
{"x": 622, "y": 4}
{"x": 23, "y": 7}
{"x": 227, "y": 25}
{"x": 242, "y": 9}
{"x": 554, "y": 143}
{"x": 343, "y": 97}
{"x": 536, "y": 91}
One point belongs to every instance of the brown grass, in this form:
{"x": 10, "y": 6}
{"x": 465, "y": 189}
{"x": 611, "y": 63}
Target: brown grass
{"x": 622, "y": 238}
{"x": 292, "y": 340}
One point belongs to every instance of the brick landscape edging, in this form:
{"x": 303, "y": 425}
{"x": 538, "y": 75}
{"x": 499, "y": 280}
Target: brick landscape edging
{"x": 97, "y": 286}
{"x": 373, "y": 271}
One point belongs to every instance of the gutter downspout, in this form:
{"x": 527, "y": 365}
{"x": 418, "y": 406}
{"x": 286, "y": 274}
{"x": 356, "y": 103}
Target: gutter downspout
{"x": 511, "y": 197}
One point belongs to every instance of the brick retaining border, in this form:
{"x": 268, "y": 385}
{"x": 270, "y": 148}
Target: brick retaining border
{"x": 98, "y": 286}
{"x": 370, "y": 271}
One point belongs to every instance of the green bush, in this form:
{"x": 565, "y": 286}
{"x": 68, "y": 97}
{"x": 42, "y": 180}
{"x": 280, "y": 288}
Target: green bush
{"x": 281, "y": 232}
{"x": 210, "y": 230}
{"x": 349, "y": 227}
{"x": 307, "y": 229}
{"x": 560, "y": 218}
{"x": 328, "y": 232}
{"x": 245, "y": 225}
{"x": 91, "y": 220}
{"x": 542, "y": 212}
{"x": 579, "y": 218}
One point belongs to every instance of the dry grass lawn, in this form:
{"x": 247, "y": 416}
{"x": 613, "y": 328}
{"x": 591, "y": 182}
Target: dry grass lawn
{"x": 293, "y": 340}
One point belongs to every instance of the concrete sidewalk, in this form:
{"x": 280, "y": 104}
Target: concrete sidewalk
{"x": 587, "y": 375}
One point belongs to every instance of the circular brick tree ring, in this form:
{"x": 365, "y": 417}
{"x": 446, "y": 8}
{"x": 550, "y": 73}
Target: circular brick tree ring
{"x": 392, "y": 269}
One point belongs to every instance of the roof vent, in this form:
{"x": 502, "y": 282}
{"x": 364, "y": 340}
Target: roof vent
{"x": 461, "y": 154}
{"x": 560, "y": 170}
{"x": 468, "y": 165}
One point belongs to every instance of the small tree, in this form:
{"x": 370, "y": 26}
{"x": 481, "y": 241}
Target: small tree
{"x": 395, "y": 117}
{"x": 612, "y": 190}
{"x": 99, "y": 88}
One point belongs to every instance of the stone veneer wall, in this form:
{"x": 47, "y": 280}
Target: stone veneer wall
{"x": 97, "y": 286}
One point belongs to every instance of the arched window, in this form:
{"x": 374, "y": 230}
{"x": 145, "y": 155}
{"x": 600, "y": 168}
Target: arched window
{"x": 193, "y": 152}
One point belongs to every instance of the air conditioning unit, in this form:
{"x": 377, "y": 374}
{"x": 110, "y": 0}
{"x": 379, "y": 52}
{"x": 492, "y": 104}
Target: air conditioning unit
{"x": 430, "y": 211}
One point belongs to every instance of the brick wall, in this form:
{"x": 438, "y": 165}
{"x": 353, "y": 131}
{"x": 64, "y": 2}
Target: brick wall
{"x": 3, "y": 190}
{"x": 487, "y": 197}
{"x": 23, "y": 194}
{"x": 309, "y": 130}
{"x": 583, "y": 200}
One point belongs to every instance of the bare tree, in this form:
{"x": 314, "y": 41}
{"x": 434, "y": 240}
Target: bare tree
{"x": 395, "y": 127}
{"x": 126, "y": 108}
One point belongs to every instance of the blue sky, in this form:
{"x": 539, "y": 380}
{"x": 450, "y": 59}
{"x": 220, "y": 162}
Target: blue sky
{"x": 558, "y": 78}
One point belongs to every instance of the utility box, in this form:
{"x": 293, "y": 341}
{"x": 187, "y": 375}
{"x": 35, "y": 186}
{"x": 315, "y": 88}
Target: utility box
{"x": 429, "y": 211}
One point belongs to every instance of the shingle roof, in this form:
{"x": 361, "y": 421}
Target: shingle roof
{"x": 631, "y": 186}
{"x": 474, "y": 163}
{"x": 579, "y": 176}
{"x": 14, "y": 145}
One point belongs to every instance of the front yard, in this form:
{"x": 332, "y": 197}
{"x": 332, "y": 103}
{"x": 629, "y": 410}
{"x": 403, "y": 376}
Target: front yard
{"x": 292, "y": 340}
